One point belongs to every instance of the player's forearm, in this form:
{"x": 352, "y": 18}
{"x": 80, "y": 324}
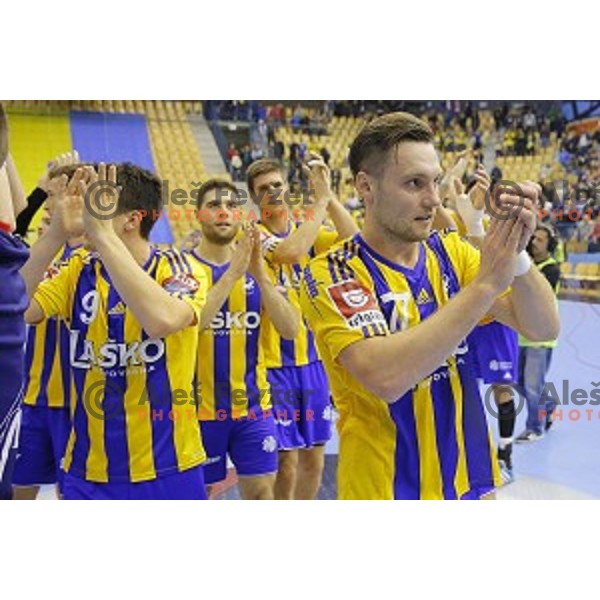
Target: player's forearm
{"x": 342, "y": 219}
{"x": 216, "y": 297}
{"x": 159, "y": 313}
{"x": 534, "y": 306}
{"x": 284, "y": 316}
{"x": 16, "y": 188}
{"x": 390, "y": 366}
{"x": 298, "y": 243}
{"x": 41, "y": 256}
{"x": 7, "y": 213}
{"x": 35, "y": 201}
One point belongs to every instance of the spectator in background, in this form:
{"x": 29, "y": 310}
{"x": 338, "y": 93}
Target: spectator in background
{"x": 257, "y": 152}
{"x": 529, "y": 120}
{"x": 246, "y": 156}
{"x": 496, "y": 174}
{"x": 278, "y": 150}
{"x": 263, "y": 131}
{"x": 336, "y": 179}
{"x": 302, "y": 149}
{"x": 545, "y": 133}
{"x": 231, "y": 151}
{"x": 535, "y": 357}
{"x": 237, "y": 167}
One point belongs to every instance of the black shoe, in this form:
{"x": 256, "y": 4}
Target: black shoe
{"x": 549, "y": 422}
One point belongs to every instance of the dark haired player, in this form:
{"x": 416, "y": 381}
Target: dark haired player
{"x": 294, "y": 369}
{"x": 236, "y": 408}
{"x": 132, "y": 313}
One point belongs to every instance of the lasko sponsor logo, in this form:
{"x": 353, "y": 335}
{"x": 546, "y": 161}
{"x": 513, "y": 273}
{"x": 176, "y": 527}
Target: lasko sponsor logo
{"x": 113, "y": 354}
{"x": 239, "y": 320}
{"x": 355, "y": 303}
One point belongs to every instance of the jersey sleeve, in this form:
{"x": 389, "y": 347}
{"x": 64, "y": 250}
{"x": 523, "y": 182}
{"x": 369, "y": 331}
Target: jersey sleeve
{"x": 186, "y": 282}
{"x": 325, "y": 239}
{"x": 269, "y": 242}
{"x": 339, "y": 312}
{"x": 56, "y": 292}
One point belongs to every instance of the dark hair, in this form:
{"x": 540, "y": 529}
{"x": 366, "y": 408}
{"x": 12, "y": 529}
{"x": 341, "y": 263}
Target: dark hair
{"x": 141, "y": 190}
{"x": 261, "y": 167}
{"x": 551, "y": 235}
{"x": 369, "y": 149}
{"x": 214, "y": 184}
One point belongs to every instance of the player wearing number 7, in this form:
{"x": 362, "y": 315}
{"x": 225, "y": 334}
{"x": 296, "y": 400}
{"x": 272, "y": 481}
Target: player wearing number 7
{"x": 391, "y": 308}
{"x": 132, "y": 313}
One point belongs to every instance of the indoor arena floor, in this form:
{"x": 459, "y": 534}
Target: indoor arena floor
{"x": 564, "y": 464}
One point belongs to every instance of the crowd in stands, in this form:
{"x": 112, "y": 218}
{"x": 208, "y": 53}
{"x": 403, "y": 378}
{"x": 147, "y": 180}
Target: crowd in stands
{"x": 568, "y": 161}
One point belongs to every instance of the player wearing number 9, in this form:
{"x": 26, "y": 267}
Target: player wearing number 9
{"x": 132, "y": 313}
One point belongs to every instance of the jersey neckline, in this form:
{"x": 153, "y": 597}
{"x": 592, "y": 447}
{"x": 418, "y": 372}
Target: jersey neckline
{"x": 208, "y": 262}
{"x": 418, "y": 268}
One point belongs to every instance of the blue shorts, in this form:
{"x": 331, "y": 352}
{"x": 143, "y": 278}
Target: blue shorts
{"x": 10, "y": 423}
{"x": 496, "y": 355}
{"x": 187, "y": 485}
{"x": 301, "y": 406}
{"x": 251, "y": 445}
{"x": 42, "y": 444}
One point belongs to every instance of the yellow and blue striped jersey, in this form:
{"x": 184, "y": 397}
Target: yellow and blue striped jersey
{"x": 301, "y": 350}
{"x": 433, "y": 442}
{"x": 230, "y": 373}
{"x": 134, "y": 416}
{"x": 48, "y": 374}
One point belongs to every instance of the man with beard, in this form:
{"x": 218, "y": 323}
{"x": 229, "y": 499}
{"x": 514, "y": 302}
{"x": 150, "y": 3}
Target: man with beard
{"x": 235, "y": 402}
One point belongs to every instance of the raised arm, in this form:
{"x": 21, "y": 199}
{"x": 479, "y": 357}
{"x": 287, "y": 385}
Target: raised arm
{"x": 342, "y": 219}
{"x": 7, "y": 213}
{"x": 66, "y": 221}
{"x": 159, "y": 313}
{"x": 284, "y": 316}
{"x": 218, "y": 293}
{"x": 16, "y": 187}
{"x": 297, "y": 245}
{"x": 38, "y": 196}
{"x": 530, "y": 308}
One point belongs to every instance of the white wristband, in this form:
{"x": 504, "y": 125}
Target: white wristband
{"x": 523, "y": 263}
{"x": 471, "y": 217}
{"x": 476, "y": 229}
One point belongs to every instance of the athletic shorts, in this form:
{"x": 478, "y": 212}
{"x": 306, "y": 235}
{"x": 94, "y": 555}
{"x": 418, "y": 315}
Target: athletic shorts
{"x": 187, "y": 485}
{"x": 42, "y": 444}
{"x": 496, "y": 355}
{"x": 13, "y": 303}
{"x": 250, "y": 443}
{"x": 301, "y": 406}
{"x": 10, "y": 422}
